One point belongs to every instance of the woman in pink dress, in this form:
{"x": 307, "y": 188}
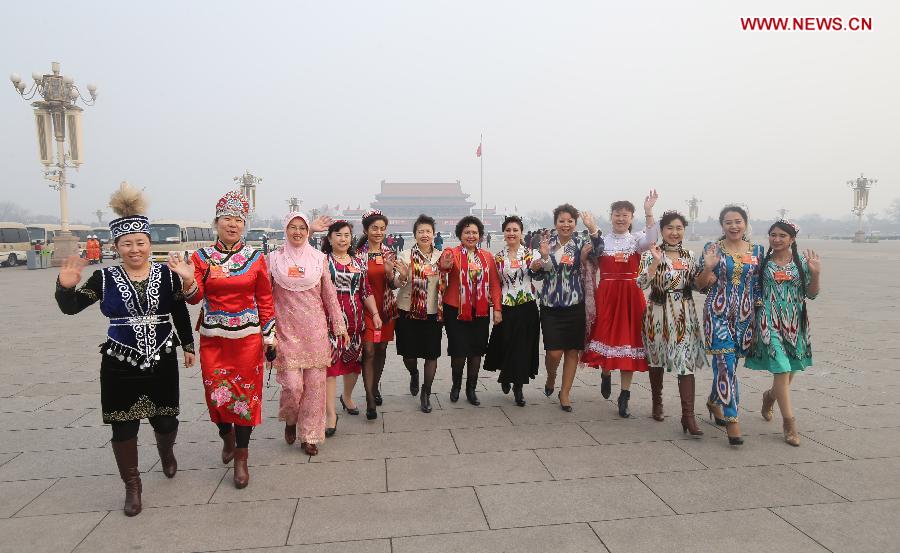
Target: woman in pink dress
{"x": 348, "y": 273}
{"x": 305, "y": 299}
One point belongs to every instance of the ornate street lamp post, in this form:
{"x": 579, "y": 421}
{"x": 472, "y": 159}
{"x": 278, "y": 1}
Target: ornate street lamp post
{"x": 693, "y": 215}
{"x": 294, "y": 204}
{"x": 860, "y": 188}
{"x": 247, "y": 183}
{"x": 57, "y": 117}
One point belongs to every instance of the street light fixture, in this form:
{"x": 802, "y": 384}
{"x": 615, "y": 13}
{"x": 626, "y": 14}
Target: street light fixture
{"x": 57, "y": 118}
{"x": 860, "y": 187}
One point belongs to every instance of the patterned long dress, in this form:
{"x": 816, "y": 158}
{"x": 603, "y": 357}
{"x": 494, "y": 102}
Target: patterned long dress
{"x": 672, "y": 333}
{"x": 728, "y": 315}
{"x": 352, "y": 286}
{"x": 782, "y": 326}
{"x": 237, "y": 314}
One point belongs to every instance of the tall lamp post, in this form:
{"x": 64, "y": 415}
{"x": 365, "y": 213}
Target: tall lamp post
{"x": 694, "y": 214}
{"x": 57, "y": 117}
{"x": 99, "y": 214}
{"x": 860, "y": 188}
{"x": 248, "y": 183}
{"x": 294, "y": 204}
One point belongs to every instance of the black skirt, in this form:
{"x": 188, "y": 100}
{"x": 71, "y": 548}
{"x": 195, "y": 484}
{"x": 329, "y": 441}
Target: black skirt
{"x": 129, "y": 394}
{"x": 563, "y": 327}
{"x": 418, "y": 338}
{"x": 513, "y": 348}
{"x": 465, "y": 338}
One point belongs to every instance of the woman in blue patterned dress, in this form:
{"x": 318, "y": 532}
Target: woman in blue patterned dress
{"x": 729, "y": 274}
{"x": 782, "y": 344}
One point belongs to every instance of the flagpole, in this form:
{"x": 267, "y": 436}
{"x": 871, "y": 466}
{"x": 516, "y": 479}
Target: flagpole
{"x": 481, "y": 167}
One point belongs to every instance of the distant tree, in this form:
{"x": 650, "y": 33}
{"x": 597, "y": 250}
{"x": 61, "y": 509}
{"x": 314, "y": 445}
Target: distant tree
{"x": 13, "y": 212}
{"x": 894, "y": 211}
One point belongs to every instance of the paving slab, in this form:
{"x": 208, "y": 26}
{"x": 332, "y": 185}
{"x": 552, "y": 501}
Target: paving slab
{"x": 387, "y": 445}
{"x": 566, "y": 538}
{"x": 36, "y": 465}
{"x": 858, "y": 527}
{"x": 385, "y": 515}
{"x": 615, "y": 459}
{"x": 860, "y": 443}
{"x": 469, "y": 469}
{"x": 558, "y": 502}
{"x": 19, "y": 494}
{"x": 473, "y": 417}
{"x": 856, "y": 480}
{"x": 194, "y": 528}
{"x": 478, "y": 440}
{"x": 752, "y": 531}
{"x": 67, "y": 532}
{"x": 714, "y": 451}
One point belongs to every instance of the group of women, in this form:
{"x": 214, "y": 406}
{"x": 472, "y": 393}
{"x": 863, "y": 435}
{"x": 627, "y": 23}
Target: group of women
{"x": 338, "y": 308}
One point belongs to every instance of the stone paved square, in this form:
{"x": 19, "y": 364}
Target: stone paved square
{"x": 493, "y": 478}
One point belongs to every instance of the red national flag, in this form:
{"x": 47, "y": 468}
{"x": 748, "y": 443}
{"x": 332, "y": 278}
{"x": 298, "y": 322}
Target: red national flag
{"x": 478, "y": 151}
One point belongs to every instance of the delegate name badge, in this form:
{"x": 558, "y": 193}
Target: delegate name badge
{"x": 353, "y": 269}
{"x": 621, "y": 257}
{"x": 678, "y": 265}
{"x": 514, "y": 263}
{"x": 747, "y": 258}
{"x": 567, "y": 259}
{"x": 428, "y": 270}
{"x": 217, "y": 271}
{"x": 296, "y": 272}
{"x": 376, "y": 336}
{"x": 379, "y": 259}
{"x": 783, "y": 276}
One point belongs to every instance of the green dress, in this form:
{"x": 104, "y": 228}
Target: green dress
{"x": 782, "y": 337}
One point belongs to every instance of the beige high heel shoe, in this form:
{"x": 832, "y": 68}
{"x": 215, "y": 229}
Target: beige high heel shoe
{"x": 790, "y": 432}
{"x": 768, "y": 405}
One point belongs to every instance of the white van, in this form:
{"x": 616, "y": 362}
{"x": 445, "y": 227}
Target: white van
{"x": 178, "y": 236}
{"x": 14, "y": 242}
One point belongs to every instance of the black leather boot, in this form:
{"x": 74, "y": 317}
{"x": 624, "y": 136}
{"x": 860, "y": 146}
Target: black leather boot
{"x": 624, "y": 396}
{"x": 605, "y": 385}
{"x": 457, "y": 384}
{"x": 517, "y": 394}
{"x": 470, "y": 393}
{"x": 425, "y": 400}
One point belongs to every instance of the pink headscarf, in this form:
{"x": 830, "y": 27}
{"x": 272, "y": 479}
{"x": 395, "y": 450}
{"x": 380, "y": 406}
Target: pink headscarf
{"x": 304, "y": 256}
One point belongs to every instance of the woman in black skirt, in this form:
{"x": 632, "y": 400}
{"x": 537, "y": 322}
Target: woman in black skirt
{"x": 472, "y": 292}
{"x": 139, "y": 367}
{"x": 513, "y": 347}
{"x": 418, "y": 326}
{"x": 560, "y": 270}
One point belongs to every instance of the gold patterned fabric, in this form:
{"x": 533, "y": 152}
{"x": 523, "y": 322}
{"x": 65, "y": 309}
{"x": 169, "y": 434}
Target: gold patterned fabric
{"x": 143, "y": 408}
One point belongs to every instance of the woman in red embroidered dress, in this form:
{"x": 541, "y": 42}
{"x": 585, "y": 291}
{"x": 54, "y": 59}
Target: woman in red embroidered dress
{"x": 232, "y": 282}
{"x": 472, "y": 285}
{"x": 617, "y": 341}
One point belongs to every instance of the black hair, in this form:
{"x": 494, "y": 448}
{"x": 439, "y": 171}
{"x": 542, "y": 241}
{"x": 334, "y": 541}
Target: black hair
{"x": 466, "y": 221}
{"x": 792, "y": 232}
{"x": 733, "y": 209}
{"x": 512, "y": 219}
{"x": 367, "y": 222}
{"x": 622, "y": 204}
{"x": 334, "y": 227}
{"x": 423, "y": 219}
{"x": 670, "y": 216}
{"x": 565, "y": 208}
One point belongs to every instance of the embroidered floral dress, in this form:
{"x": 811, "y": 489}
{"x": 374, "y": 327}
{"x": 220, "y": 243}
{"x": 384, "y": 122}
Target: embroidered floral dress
{"x": 617, "y": 341}
{"x": 352, "y": 287}
{"x": 233, "y": 287}
{"x": 728, "y": 314}
{"x": 672, "y": 333}
{"x": 782, "y": 342}
{"x": 147, "y": 320}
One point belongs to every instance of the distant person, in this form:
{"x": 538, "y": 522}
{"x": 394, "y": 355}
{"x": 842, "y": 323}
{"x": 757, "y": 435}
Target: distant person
{"x": 487, "y": 240}
{"x": 439, "y": 241}
{"x": 400, "y": 242}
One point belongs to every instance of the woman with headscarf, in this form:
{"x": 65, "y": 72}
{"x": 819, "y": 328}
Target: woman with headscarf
{"x": 306, "y": 306}
{"x": 231, "y": 280}
{"x": 148, "y": 319}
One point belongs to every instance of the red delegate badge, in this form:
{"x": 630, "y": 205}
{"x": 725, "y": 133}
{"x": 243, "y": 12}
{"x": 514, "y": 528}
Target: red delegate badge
{"x": 296, "y": 272}
{"x": 679, "y": 265}
{"x": 621, "y": 257}
{"x": 782, "y": 276}
{"x": 567, "y": 259}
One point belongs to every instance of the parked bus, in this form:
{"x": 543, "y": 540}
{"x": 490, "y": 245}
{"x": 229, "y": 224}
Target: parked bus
{"x": 255, "y": 238}
{"x": 178, "y": 236}
{"x": 46, "y": 232}
{"x": 14, "y": 242}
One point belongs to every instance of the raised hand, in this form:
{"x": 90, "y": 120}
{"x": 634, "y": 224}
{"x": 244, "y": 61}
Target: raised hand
{"x": 711, "y": 256}
{"x": 70, "y": 273}
{"x": 402, "y": 269}
{"x": 446, "y": 260}
{"x": 321, "y": 224}
{"x": 657, "y": 253}
{"x": 182, "y": 268}
{"x": 589, "y": 221}
{"x": 650, "y": 201}
{"x": 545, "y": 247}
{"x": 814, "y": 262}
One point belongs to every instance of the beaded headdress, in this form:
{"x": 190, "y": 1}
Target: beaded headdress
{"x": 371, "y": 212}
{"x": 790, "y": 224}
{"x": 233, "y": 204}
{"x": 129, "y": 203}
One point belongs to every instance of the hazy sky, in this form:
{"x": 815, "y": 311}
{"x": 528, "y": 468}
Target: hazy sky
{"x": 585, "y": 102}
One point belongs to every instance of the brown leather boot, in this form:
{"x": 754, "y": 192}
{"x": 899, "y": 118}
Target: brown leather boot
{"x": 228, "y": 445}
{"x": 790, "y": 432}
{"x": 290, "y": 433}
{"x": 127, "y": 460}
{"x": 165, "y": 446}
{"x": 241, "y": 472}
{"x": 656, "y": 386}
{"x": 768, "y": 405}
{"x": 686, "y": 391}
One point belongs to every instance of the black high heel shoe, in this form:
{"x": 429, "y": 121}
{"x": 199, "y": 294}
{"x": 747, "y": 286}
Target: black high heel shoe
{"x": 378, "y": 399}
{"x": 354, "y": 411}
{"x": 425, "y": 401}
{"x": 605, "y": 385}
{"x": 414, "y": 382}
{"x": 566, "y": 408}
{"x": 371, "y": 414}
{"x": 329, "y": 432}
{"x": 624, "y": 396}
{"x": 517, "y": 394}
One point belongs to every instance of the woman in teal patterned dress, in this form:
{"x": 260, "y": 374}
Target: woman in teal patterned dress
{"x": 729, "y": 274}
{"x": 782, "y": 342}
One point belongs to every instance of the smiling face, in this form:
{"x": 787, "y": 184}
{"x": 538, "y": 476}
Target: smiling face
{"x": 229, "y": 228}
{"x": 779, "y": 240}
{"x": 470, "y": 236}
{"x": 297, "y": 232}
{"x": 673, "y": 232}
{"x": 565, "y": 225}
{"x": 512, "y": 234}
{"x": 376, "y": 232}
{"x": 733, "y": 225}
{"x": 424, "y": 235}
{"x": 340, "y": 240}
{"x": 621, "y": 220}
{"x": 134, "y": 249}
